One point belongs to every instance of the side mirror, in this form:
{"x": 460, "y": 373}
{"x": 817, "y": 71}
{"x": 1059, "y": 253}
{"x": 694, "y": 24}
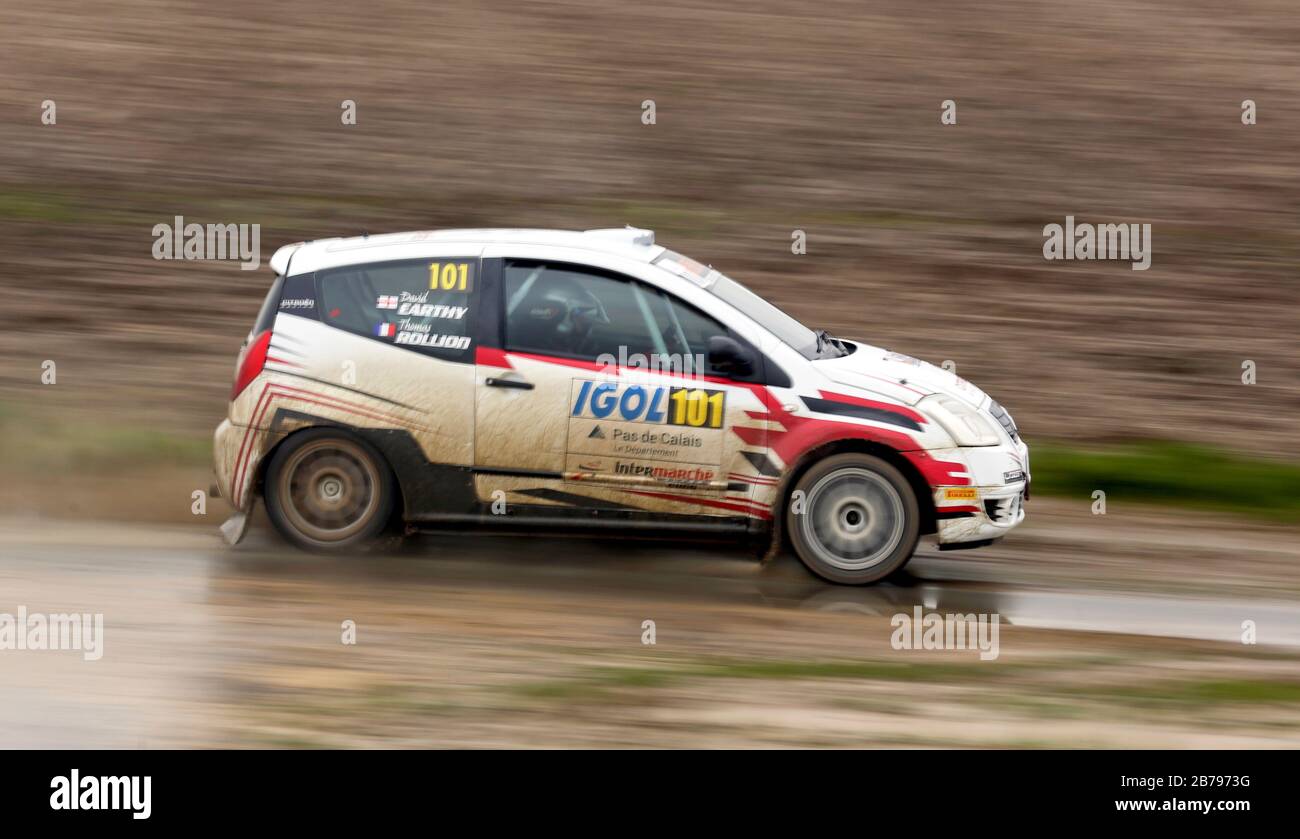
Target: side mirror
{"x": 728, "y": 357}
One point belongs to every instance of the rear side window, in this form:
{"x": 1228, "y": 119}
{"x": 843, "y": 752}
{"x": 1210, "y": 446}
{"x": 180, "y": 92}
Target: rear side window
{"x": 298, "y": 296}
{"x": 422, "y": 305}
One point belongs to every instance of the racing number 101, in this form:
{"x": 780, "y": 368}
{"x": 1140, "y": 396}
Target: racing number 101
{"x": 449, "y": 276}
{"x": 696, "y": 408}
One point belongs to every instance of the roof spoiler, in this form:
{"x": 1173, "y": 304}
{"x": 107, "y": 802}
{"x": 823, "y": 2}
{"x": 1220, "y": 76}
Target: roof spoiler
{"x": 280, "y": 259}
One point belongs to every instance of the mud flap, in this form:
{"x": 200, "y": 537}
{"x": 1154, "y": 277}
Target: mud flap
{"x": 234, "y": 528}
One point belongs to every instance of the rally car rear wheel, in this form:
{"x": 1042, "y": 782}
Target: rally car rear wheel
{"x": 853, "y": 519}
{"x": 327, "y": 491}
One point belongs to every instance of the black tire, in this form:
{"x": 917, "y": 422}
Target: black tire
{"x": 857, "y": 520}
{"x": 326, "y": 490}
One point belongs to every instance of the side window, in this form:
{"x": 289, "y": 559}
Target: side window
{"x": 687, "y": 331}
{"x": 298, "y": 296}
{"x": 577, "y": 312}
{"x": 424, "y": 305}
{"x": 585, "y": 313}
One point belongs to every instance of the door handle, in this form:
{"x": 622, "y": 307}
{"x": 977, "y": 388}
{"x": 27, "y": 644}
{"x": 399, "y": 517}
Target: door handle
{"x": 518, "y": 384}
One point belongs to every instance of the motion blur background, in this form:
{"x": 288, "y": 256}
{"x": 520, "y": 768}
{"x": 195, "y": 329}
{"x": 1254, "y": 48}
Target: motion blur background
{"x": 770, "y": 117}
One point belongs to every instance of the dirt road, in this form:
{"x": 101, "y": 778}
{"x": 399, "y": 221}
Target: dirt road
{"x": 528, "y": 642}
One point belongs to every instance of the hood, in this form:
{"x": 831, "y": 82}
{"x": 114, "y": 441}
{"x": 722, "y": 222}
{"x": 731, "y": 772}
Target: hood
{"x": 901, "y": 377}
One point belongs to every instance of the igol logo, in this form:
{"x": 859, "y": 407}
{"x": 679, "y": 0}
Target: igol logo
{"x": 689, "y": 406}
{"x": 633, "y": 404}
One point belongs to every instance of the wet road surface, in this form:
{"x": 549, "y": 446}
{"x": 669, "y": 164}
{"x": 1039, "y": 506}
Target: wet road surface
{"x": 197, "y": 634}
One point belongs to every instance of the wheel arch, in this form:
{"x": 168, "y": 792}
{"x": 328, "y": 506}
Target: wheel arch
{"x": 352, "y": 433}
{"x": 780, "y": 538}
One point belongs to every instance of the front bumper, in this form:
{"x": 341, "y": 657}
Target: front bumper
{"x": 992, "y": 513}
{"x": 992, "y": 504}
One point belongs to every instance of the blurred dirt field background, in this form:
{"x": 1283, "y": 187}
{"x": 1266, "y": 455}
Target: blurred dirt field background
{"x": 771, "y": 117}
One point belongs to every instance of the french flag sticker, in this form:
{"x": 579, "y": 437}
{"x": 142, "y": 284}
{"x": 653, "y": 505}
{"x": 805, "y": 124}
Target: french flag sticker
{"x": 386, "y": 330}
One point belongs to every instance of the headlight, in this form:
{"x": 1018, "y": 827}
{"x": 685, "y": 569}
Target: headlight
{"x": 966, "y": 426}
{"x": 1004, "y": 419}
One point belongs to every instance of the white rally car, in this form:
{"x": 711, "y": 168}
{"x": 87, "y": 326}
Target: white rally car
{"x": 559, "y": 379}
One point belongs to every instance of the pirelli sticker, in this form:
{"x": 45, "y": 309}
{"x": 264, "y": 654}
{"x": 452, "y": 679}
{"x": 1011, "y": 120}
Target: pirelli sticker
{"x": 961, "y": 494}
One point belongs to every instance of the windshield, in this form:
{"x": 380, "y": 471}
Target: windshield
{"x": 808, "y": 343}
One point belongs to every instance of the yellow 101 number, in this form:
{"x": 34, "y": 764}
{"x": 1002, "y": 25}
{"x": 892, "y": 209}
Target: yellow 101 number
{"x": 449, "y": 276}
{"x": 695, "y": 407}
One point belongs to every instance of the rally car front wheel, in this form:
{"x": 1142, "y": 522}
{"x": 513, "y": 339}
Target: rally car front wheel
{"x": 853, "y": 519}
{"x": 328, "y": 491}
